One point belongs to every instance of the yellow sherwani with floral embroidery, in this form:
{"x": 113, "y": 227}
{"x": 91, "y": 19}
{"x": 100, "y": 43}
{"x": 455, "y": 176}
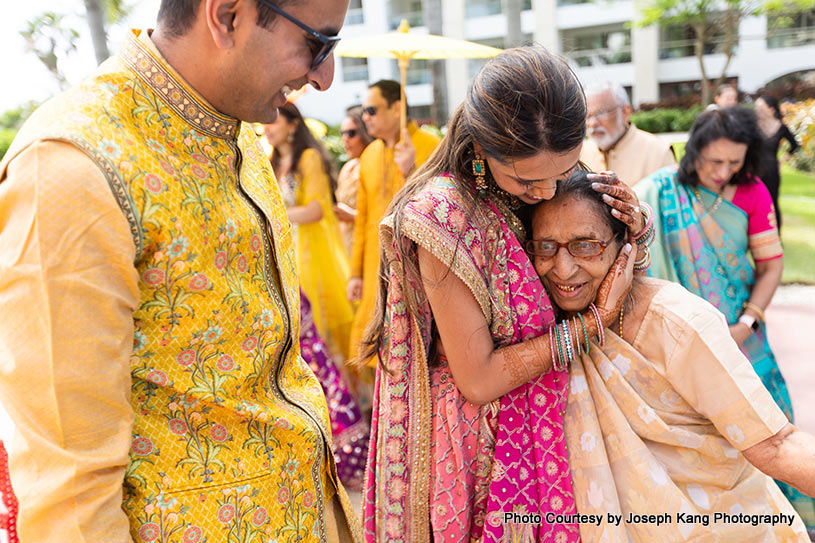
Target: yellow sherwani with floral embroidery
{"x": 230, "y": 433}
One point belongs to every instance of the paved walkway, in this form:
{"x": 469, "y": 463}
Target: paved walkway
{"x": 791, "y": 329}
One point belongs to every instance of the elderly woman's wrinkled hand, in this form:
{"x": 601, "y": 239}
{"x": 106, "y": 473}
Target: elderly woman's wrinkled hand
{"x": 620, "y": 198}
{"x": 616, "y": 285}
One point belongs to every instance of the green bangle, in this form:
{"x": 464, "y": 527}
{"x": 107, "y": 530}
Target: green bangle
{"x": 559, "y": 347}
{"x": 585, "y": 335}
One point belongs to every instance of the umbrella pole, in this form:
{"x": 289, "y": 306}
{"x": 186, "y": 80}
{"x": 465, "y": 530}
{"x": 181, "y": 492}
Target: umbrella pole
{"x": 403, "y": 66}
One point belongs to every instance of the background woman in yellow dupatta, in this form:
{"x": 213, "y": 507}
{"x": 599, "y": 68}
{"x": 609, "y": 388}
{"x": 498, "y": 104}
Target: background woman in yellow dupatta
{"x": 667, "y": 416}
{"x": 306, "y": 175}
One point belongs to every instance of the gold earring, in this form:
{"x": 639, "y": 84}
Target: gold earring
{"x": 479, "y": 170}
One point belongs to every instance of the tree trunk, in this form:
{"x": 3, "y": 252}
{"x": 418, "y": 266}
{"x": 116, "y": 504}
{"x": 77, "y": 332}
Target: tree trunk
{"x": 512, "y": 11}
{"x": 732, "y": 20}
{"x": 699, "y": 47}
{"x": 433, "y": 20}
{"x": 96, "y": 22}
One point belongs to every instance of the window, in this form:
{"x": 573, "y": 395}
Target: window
{"x": 354, "y": 15}
{"x": 598, "y": 46}
{"x": 354, "y": 69}
{"x": 405, "y": 9}
{"x": 482, "y": 8}
{"x": 677, "y": 41}
{"x": 418, "y": 72}
{"x": 791, "y": 30}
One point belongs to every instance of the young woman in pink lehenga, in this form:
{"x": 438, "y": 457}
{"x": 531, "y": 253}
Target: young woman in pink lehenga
{"x": 468, "y": 411}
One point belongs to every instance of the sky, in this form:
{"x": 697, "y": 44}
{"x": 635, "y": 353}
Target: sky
{"x": 26, "y": 77}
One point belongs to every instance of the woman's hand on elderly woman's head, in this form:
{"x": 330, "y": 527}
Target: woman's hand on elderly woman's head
{"x": 616, "y": 285}
{"x": 620, "y": 198}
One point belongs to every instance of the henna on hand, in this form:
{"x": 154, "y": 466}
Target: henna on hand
{"x": 524, "y": 361}
{"x": 620, "y": 198}
{"x": 618, "y": 272}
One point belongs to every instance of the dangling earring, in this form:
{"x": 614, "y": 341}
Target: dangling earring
{"x": 479, "y": 170}
{"x": 290, "y": 137}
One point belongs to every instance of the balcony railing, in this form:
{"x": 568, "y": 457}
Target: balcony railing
{"x": 414, "y": 19}
{"x": 600, "y": 57}
{"x": 687, "y": 48}
{"x": 790, "y": 37}
{"x": 355, "y": 16}
{"x": 482, "y": 8}
{"x": 355, "y": 73}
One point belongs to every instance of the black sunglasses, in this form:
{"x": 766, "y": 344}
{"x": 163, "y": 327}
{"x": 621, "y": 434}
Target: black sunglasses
{"x": 350, "y": 133}
{"x": 328, "y": 43}
{"x": 369, "y": 111}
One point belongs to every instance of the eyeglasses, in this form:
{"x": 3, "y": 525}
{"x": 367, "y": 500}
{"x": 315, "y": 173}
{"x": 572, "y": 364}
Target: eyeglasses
{"x": 327, "y": 43}
{"x": 350, "y": 133}
{"x": 718, "y": 162}
{"x": 370, "y": 111}
{"x": 578, "y": 248}
{"x": 602, "y": 115}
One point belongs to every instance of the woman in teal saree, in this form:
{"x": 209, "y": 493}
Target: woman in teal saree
{"x": 717, "y": 236}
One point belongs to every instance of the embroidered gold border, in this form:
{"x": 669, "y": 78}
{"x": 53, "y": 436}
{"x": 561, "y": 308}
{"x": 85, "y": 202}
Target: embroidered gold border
{"x": 420, "y": 233}
{"x": 165, "y": 84}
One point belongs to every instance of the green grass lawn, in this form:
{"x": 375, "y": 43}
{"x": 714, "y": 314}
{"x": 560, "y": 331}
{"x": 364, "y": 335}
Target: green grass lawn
{"x": 797, "y": 203}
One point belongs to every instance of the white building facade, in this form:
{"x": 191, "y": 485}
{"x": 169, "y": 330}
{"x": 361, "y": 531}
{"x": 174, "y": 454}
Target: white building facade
{"x": 597, "y": 37}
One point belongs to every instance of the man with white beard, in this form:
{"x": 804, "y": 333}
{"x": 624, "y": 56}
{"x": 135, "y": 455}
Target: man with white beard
{"x": 614, "y": 143}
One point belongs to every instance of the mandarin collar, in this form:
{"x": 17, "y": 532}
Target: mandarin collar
{"x": 140, "y": 54}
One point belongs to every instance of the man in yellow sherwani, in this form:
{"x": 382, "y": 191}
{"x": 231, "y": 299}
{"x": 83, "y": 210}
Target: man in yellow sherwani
{"x": 149, "y": 299}
{"x": 383, "y": 167}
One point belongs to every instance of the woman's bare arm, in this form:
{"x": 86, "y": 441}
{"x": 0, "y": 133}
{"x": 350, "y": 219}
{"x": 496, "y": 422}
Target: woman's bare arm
{"x": 788, "y": 456}
{"x": 481, "y": 372}
{"x": 309, "y": 213}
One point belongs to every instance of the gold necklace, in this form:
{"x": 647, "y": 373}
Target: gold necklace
{"x": 716, "y": 203}
{"x": 509, "y": 215}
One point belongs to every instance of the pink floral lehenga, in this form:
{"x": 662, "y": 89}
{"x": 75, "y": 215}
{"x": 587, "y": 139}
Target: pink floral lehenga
{"x": 438, "y": 463}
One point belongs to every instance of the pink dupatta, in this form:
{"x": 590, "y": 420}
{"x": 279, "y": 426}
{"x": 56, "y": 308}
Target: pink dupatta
{"x": 522, "y": 463}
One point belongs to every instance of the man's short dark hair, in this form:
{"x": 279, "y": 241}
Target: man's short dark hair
{"x": 391, "y": 90}
{"x": 177, "y": 16}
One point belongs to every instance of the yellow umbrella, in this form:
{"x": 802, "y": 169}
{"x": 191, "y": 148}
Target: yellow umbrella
{"x": 404, "y": 46}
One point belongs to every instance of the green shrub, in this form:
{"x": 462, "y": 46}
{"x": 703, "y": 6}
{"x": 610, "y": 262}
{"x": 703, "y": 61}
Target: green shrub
{"x": 665, "y": 120}
{"x": 6, "y": 137}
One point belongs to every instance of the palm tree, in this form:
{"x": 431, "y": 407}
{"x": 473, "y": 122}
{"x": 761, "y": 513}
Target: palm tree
{"x": 101, "y": 13}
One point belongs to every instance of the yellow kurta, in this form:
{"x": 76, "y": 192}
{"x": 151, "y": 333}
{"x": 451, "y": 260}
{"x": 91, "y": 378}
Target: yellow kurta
{"x": 379, "y": 180}
{"x": 637, "y": 155}
{"x": 321, "y": 256}
{"x": 153, "y": 278}
{"x": 657, "y": 426}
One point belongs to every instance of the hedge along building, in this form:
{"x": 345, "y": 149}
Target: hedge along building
{"x": 653, "y": 63}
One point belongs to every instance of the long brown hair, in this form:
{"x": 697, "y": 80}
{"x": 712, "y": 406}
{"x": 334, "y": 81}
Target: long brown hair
{"x": 524, "y": 101}
{"x": 303, "y": 139}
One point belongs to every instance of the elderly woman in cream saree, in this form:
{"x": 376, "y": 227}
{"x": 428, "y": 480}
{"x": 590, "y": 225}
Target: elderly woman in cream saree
{"x": 667, "y": 424}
